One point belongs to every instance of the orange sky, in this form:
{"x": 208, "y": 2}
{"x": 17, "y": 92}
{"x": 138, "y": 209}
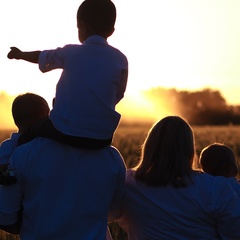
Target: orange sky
{"x": 134, "y": 108}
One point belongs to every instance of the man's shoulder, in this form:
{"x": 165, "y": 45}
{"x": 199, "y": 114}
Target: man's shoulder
{"x": 10, "y": 143}
{"x": 36, "y": 143}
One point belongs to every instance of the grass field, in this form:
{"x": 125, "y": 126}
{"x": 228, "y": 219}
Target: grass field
{"x": 129, "y": 137}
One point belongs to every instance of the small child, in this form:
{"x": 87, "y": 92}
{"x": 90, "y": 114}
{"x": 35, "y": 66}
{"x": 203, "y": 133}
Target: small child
{"x": 27, "y": 109}
{"x": 219, "y": 160}
{"x": 93, "y": 81}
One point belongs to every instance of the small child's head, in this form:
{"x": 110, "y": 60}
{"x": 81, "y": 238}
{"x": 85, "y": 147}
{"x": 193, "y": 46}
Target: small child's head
{"x": 218, "y": 160}
{"x": 27, "y": 109}
{"x": 96, "y": 17}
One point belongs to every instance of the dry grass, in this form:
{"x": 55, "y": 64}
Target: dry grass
{"x": 129, "y": 138}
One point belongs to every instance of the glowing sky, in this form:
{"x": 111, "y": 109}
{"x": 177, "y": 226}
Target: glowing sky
{"x": 185, "y": 44}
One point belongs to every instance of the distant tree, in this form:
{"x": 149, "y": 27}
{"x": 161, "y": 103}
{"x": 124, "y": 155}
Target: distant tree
{"x": 200, "y": 107}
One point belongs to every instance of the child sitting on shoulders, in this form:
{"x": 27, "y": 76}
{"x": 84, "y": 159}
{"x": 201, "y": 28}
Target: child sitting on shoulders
{"x": 93, "y": 81}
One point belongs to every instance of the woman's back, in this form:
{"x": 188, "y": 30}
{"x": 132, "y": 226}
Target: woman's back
{"x": 205, "y": 209}
{"x": 166, "y": 199}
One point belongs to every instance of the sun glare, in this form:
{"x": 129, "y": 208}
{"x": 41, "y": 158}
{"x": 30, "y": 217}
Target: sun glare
{"x": 137, "y": 107}
{"x": 5, "y": 112}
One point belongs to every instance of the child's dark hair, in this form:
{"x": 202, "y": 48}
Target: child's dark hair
{"x": 218, "y": 160}
{"x": 28, "y": 108}
{"x": 99, "y": 15}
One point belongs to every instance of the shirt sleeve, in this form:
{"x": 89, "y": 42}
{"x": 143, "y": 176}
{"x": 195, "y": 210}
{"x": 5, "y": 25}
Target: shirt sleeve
{"x": 122, "y": 84}
{"x": 10, "y": 200}
{"x": 116, "y": 205}
{"x": 5, "y": 152}
{"x": 7, "y": 147}
{"x": 227, "y": 209}
{"x": 51, "y": 59}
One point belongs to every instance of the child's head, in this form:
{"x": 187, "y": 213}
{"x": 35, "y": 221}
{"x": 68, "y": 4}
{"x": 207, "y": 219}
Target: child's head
{"x": 218, "y": 160}
{"x": 96, "y": 17}
{"x": 27, "y": 109}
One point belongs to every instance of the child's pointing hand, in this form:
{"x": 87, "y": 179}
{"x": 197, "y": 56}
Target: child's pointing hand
{"x": 14, "y": 53}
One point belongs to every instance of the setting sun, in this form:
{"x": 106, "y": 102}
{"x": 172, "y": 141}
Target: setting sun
{"x": 137, "y": 106}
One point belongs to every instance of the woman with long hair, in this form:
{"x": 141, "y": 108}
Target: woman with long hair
{"x": 167, "y": 199}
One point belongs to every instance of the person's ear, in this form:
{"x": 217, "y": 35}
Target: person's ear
{"x": 232, "y": 169}
{"x": 81, "y": 26}
{"x": 111, "y": 32}
{"x": 82, "y": 31}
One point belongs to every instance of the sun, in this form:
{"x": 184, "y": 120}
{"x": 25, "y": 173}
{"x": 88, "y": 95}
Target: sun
{"x": 137, "y": 107}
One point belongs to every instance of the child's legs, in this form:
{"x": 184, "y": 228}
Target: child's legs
{"x": 42, "y": 128}
{"x": 45, "y": 128}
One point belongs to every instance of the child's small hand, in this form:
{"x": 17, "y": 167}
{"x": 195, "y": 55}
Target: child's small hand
{"x": 14, "y": 53}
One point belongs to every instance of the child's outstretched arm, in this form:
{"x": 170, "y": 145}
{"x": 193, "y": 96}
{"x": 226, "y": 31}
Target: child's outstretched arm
{"x": 16, "y": 53}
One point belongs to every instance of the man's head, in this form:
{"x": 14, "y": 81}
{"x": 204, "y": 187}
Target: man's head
{"x": 27, "y": 109}
{"x": 96, "y": 17}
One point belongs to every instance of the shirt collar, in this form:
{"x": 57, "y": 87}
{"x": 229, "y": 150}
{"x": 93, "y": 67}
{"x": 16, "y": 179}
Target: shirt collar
{"x": 232, "y": 179}
{"x": 95, "y": 39}
{"x": 15, "y": 135}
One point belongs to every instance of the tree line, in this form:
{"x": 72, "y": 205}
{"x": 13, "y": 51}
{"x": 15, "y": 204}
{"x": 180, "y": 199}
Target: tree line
{"x": 202, "y": 107}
